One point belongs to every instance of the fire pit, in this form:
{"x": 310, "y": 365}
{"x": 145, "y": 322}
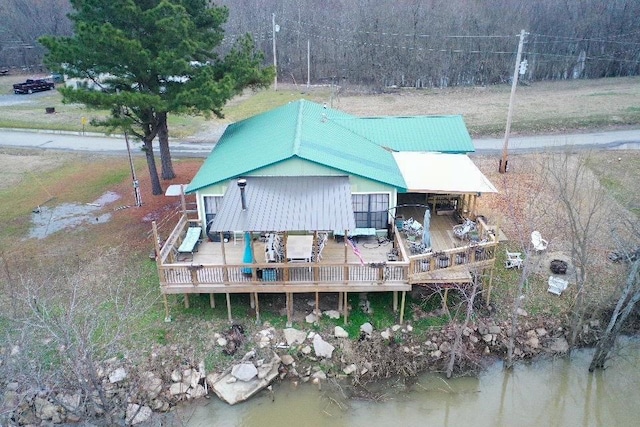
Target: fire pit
{"x": 558, "y": 266}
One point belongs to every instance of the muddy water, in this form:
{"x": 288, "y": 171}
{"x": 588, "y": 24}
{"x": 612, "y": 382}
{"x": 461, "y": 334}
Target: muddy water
{"x": 558, "y": 392}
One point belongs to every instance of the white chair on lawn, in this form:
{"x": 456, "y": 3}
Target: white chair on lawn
{"x": 539, "y": 244}
{"x": 514, "y": 260}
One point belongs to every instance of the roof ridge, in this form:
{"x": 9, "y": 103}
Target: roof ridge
{"x": 298, "y": 133}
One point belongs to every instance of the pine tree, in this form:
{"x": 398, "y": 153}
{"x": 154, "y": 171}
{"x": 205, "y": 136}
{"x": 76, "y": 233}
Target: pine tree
{"x": 151, "y": 58}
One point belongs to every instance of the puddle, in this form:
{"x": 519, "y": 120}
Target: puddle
{"x": 51, "y": 219}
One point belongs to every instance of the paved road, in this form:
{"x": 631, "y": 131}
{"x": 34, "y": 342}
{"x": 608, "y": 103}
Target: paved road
{"x": 625, "y": 139}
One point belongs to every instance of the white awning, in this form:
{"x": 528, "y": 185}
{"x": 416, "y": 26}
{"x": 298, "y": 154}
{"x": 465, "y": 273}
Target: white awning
{"x": 175, "y": 189}
{"x": 441, "y": 173}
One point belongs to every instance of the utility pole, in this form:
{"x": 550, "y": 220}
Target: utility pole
{"x": 308, "y": 63}
{"x": 136, "y": 183}
{"x": 275, "y": 29}
{"x": 502, "y": 168}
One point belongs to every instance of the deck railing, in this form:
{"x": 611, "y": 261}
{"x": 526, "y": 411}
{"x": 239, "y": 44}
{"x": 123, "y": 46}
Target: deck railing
{"x": 178, "y": 277}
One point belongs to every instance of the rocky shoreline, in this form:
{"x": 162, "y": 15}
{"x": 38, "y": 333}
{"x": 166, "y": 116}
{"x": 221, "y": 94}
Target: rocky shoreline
{"x": 139, "y": 390}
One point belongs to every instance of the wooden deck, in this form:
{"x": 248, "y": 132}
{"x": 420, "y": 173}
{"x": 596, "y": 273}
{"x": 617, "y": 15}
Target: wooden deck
{"x": 217, "y": 267}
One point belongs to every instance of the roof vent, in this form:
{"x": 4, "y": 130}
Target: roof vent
{"x": 242, "y": 183}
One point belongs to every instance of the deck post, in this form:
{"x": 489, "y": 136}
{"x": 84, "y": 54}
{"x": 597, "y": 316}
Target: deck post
{"x": 490, "y": 284}
{"x": 404, "y": 295}
{"x": 186, "y": 300}
{"x": 167, "y": 317}
{"x": 288, "y": 307}
{"x": 395, "y": 301}
{"x": 257, "y": 304}
{"x": 444, "y": 300}
{"x": 339, "y": 301}
{"x": 346, "y": 307}
{"x": 317, "y": 302}
{"x": 212, "y": 300}
{"x": 252, "y": 300}
{"x": 229, "y": 308}
{"x": 225, "y": 272}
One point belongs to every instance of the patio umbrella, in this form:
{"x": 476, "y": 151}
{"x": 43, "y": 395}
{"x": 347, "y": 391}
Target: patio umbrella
{"x": 248, "y": 254}
{"x": 426, "y": 233}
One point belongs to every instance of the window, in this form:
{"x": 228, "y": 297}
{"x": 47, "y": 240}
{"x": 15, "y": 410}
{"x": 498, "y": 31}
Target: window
{"x": 371, "y": 210}
{"x": 211, "y": 207}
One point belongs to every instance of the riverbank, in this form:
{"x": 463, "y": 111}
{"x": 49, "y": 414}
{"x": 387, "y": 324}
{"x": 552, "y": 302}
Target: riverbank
{"x": 160, "y": 365}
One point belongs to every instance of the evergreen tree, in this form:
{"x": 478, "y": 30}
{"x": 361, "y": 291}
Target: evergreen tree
{"x": 151, "y": 58}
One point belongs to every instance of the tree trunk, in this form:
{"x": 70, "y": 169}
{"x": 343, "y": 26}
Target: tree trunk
{"x": 156, "y": 188}
{"x": 165, "y": 153}
{"x": 629, "y": 297}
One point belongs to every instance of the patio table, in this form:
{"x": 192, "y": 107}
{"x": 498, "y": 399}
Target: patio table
{"x": 299, "y": 248}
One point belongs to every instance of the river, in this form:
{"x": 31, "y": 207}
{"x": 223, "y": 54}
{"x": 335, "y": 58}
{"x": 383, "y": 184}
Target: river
{"x": 551, "y": 392}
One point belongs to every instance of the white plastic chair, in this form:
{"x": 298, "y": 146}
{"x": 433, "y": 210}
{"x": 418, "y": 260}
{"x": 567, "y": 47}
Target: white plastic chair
{"x": 539, "y": 244}
{"x": 514, "y": 260}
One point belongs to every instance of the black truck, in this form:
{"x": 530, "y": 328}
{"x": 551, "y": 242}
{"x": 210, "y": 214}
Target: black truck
{"x": 33, "y": 85}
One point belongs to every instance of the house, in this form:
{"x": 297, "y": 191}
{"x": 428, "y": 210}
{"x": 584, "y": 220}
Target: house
{"x": 307, "y": 170}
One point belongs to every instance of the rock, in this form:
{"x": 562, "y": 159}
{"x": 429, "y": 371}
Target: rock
{"x": 521, "y": 312}
{"x": 231, "y": 380}
{"x": 294, "y": 336}
{"x": 320, "y": 375}
{"x": 467, "y": 331}
{"x": 137, "y": 414}
{"x": 435, "y": 354}
{"x": 191, "y": 377}
{"x": 176, "y": 376}
{"x": 178, "y": 388}
{"x": 430, "y": 346}
{"x": 531, "y": 333}
{"x": 474, "y": 339}
{"x": 445, "y": 347}
{"x": 12, "y": 386}
{"x": 487, "y": 338}
{"x": 244, "y": 371}
{"x": 367, "y": 328}
{"x": 339, "y": 332}
{"x": 287, "y": 359}
{"x": 306, "y": 349}
{"x": 196, "y": 392}
{"x": 248, "y": 355}
{"x": 486, "y": 350}
{"x": 559, "y": 345}
{"x": 533, "y": 342}
{"x": 386, "y": 334}
{"x": 409, "y": 328}
{"x": 311, "y": 318}
{"x": 222, "y": 342}
{"x": 396, "y": 328}
{"x": 9, "y": 402}
{"x": 45, "y": 410}
{"x": 495, "y": 329}
{"x": 322, "y": 348}
{"x": 212, "y": 378}
{"x": 151, "y": 384}
{"x": 117, "y": 375}
{"x": 541, "y": 332}
{"x": 350, "y": 369}
{"x": 332, "y": 314}
{"x": 159, "y": 405}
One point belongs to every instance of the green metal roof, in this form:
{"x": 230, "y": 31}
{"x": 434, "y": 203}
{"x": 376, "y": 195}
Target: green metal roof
{"x": 444, "y": 134}
{"x": 356, "y": 146}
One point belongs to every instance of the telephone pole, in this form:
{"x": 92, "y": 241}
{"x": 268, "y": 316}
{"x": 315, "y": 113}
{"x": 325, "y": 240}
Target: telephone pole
{"x": 274, "y": 29}
{"x": 502, "y": 168}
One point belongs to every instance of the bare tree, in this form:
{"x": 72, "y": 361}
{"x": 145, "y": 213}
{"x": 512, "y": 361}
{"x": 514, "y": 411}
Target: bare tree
{"x": 582, "y": 201}
{"x": 68, "y": 325}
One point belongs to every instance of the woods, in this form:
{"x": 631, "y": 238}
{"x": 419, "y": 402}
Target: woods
{"x": 407, "y": 44}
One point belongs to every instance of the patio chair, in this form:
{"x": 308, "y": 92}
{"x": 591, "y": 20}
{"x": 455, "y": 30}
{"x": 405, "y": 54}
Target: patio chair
{"x": 557, "y": 285}
{"x": 461, "y": 231}
{"x": 539, "y": 244}
{"x": 514, "y": 260}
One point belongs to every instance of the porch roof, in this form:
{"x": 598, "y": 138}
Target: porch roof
{"x": 302, "y": 203}
{"x": 442, "y": 173}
